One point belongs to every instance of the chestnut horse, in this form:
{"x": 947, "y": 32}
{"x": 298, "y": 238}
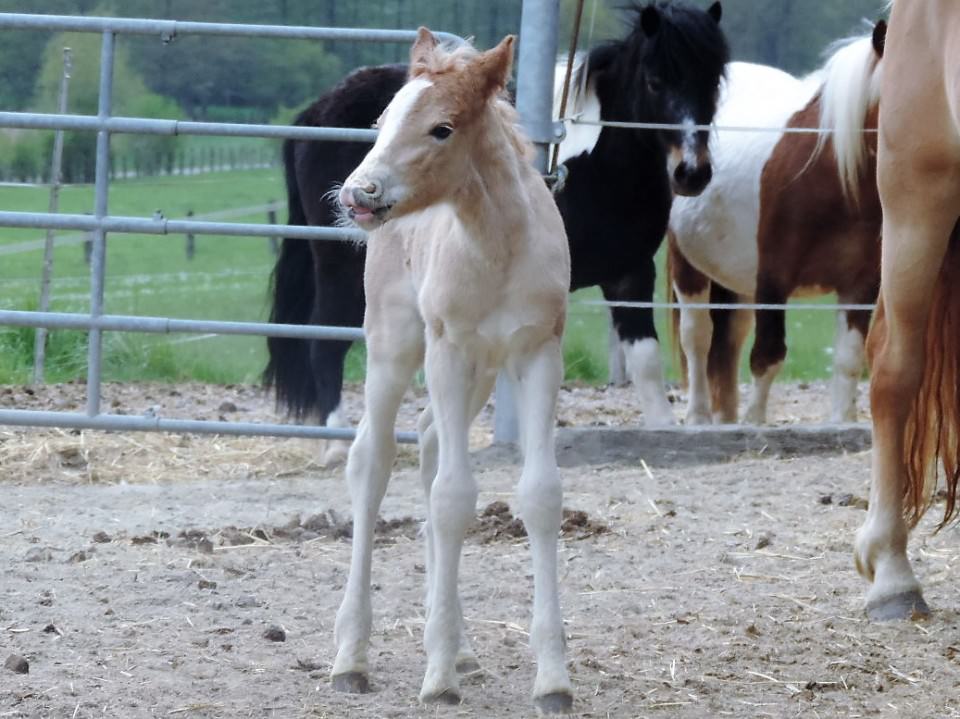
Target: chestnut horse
{"x": 914, "y": 347}
{"x": 788, "y": 216}
{"x": 467, "y": 272}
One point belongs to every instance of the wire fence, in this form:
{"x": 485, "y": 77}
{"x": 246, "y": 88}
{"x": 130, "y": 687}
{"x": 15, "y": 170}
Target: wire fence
{"x": 101, "y": 222}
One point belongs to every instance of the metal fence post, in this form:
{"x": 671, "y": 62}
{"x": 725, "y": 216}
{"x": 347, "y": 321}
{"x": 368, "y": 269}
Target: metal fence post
{"x": 101, "y": 197}
{"x": 56, "y": 177}
{"x": 539, "y": 29}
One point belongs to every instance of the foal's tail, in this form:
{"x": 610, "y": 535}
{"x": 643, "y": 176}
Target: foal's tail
{"x": 292, "y": 289}
{"x": 933, "y": 427}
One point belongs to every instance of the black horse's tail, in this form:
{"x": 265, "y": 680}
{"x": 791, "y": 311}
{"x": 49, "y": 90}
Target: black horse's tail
{"x": 292, "y": 286}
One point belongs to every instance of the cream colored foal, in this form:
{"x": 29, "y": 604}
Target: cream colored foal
{"x": 467, "y": 272}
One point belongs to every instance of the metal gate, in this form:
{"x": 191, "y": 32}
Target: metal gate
{"x": 539, "y": 30}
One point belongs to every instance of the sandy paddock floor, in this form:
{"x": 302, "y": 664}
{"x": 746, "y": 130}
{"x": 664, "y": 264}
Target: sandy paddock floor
{"x": 147, "y": 576}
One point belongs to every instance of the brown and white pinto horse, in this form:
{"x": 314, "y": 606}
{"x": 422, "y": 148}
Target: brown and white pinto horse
{"x": 784, "y": 215}
{"x": 914, "y": 346}
{"x": 819, "y": 231}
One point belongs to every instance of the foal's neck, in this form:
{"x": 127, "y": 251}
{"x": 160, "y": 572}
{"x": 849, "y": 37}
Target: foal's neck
{"x": 493, "y": 202}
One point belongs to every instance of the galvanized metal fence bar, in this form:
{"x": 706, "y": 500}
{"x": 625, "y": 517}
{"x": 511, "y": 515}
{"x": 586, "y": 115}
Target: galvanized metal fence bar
{"x": 56, "y": 178}
{"x": 539, "y": 32}
{"x": 101, "y": 200}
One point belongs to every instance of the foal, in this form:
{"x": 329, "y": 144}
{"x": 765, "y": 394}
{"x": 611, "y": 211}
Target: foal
{"x": 468, "y": 268}
{"x": 915, "y": 343}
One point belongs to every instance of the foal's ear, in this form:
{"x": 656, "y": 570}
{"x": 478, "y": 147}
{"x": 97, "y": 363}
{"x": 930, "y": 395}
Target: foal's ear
{"x": 422, "y": 51}
{"x": 495, "y": 65}
{"x": 880, "y": 37}
{"x": 650, "y": 20}
{"x": 716, "y": 12}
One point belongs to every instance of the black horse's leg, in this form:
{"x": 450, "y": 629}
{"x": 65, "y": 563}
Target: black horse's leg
{"x": 339, "y": 302}
{"x": 638, "y": 338}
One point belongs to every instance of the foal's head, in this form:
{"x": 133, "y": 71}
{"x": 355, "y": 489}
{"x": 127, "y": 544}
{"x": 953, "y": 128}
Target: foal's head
{"x": 670, "y": 67}
{"x": 428, "y": 141}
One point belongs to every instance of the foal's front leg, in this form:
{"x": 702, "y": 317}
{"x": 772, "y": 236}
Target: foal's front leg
{"x": 389, "y": 371}
{"x": 541, "y": 506}
{"x": 453, "y": 499}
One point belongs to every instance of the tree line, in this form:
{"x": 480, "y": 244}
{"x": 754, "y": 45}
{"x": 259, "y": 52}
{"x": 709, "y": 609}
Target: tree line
{"x": 259, "y": 80}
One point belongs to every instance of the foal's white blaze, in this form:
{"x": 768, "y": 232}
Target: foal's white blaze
{"x": 395, "y": 117}
{"x": 690, "y": 141}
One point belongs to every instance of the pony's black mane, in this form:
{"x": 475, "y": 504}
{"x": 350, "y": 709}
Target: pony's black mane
{"x": 687, "y": 37}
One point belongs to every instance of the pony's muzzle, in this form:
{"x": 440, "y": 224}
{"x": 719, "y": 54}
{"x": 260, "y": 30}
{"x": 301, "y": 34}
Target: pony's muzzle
{"x": 691, "y": 180}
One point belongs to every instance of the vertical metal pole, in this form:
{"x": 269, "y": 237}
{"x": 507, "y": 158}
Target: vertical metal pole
{"x": 56, "y": 177}
{"x": 539, "y": 29}
{"x": 101, "y": 196}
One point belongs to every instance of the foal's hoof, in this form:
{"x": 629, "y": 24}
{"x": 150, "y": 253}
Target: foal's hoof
{"x": 351, "y": 683}
{"x": 908, "y": 605}
{"x": 448, "y": 697}
{"x": 555, "y": 703}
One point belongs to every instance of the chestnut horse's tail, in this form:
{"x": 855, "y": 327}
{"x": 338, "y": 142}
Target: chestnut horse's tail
{"x": 932, "y": 439}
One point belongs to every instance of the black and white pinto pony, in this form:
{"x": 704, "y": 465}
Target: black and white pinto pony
{"x": 615, "y": 203}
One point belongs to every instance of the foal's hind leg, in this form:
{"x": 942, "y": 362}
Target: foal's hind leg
{"x": 394, "y": 351}
{"x": 916, "y": 232}
{"x": 466, "y": 658}
{"x": 541, "y": 505}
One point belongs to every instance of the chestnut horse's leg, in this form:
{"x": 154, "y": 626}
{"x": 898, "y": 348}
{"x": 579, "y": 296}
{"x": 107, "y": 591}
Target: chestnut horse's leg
{"x": 916, "y": 232}
{"x": 537, "y": 379}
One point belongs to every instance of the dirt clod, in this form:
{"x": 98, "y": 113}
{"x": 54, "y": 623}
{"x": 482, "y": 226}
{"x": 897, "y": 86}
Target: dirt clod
{"x": 17, "y": 664}
{"x": 78, "y": 557}
{"x": 206, "y": 584}
{"x": 38, "y": 554}
{"x": 102, "y": 537}
{"x": 275, "y": 633}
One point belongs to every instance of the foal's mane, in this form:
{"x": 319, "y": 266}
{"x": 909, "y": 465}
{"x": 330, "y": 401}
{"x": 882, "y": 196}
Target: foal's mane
{"x": 447, "y": 60}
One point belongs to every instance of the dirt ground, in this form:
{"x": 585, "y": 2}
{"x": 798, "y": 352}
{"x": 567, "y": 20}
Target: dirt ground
{"x": 150, "y": 576}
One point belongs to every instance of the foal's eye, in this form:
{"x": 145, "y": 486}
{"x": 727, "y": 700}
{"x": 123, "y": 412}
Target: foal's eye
{"x": 654, "y": 84}
{"x": 441, "y": 132}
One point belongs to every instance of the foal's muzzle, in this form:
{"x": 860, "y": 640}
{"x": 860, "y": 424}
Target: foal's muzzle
{"x": 364, "y": 203}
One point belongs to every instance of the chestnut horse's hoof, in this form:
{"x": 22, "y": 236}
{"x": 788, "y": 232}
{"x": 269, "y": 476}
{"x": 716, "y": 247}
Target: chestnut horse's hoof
{"x": 555, "y": 703}
{"x": 351, "y": 683}
{"x": 905, "y": 606}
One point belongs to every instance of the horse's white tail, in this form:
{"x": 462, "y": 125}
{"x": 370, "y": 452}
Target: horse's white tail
{"x": 851, "y": 89}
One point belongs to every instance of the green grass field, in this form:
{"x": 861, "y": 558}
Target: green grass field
{"x": 228, "y": 280}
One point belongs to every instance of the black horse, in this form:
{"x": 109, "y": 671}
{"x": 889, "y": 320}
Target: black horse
{"x": 615, "y": 203}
